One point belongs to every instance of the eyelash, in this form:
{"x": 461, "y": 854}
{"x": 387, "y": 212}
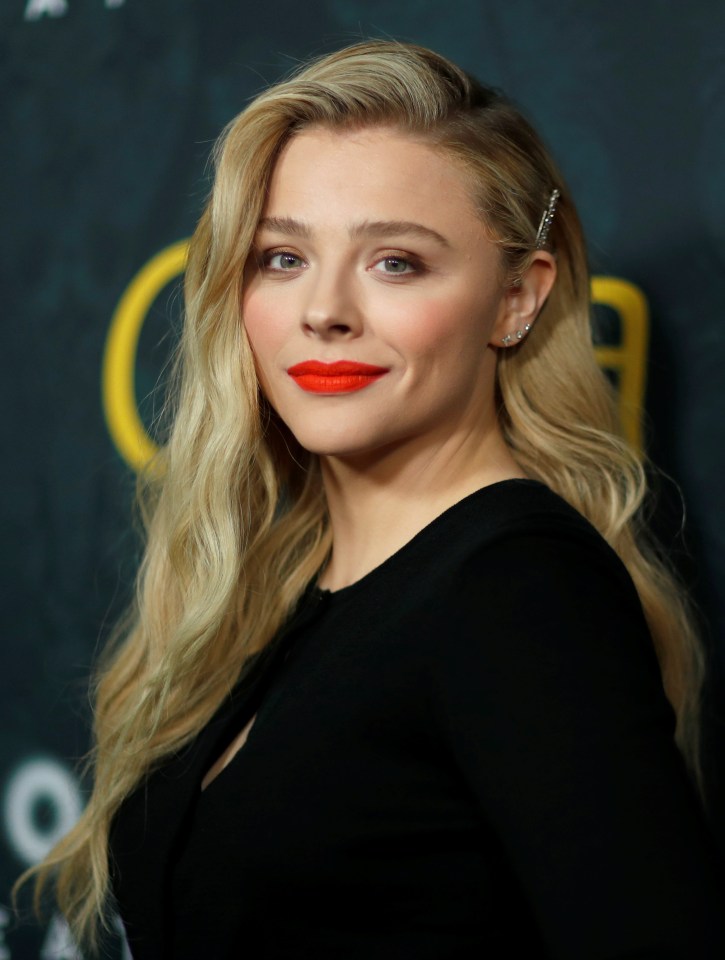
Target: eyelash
{"x": 415, "y": 265}
{"x": 267, "y": 258}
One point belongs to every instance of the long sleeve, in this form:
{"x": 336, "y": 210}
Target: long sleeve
{"x": 466, "y": 753}
{"x": 551, "y": 699}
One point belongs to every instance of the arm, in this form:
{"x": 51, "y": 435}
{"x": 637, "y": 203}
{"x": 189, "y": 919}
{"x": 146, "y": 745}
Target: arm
{"x": 553, "y": 704}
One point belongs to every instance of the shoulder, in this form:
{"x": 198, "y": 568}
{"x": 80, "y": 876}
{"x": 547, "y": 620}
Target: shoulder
{"x": 514, "y": 507}
{"x": 525, "y": 540}
{"x": 546, "y": 695}
{"x": 535, "y": 596}
{"x": 544, "y": 649}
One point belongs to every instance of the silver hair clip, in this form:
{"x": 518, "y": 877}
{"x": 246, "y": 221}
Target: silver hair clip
{"x": 547, "y": 219}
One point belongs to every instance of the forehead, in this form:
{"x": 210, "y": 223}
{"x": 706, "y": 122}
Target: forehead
{"x": 376, "y": 172}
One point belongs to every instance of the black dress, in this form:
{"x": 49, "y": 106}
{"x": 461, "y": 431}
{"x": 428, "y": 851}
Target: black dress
{"x": 466, "y": 753}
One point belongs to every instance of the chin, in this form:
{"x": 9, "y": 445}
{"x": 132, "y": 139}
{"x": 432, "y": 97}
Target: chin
{"x": 338, "y": 442}
{"x": 329, "y": 447}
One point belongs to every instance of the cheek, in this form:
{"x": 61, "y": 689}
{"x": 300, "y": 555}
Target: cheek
{"x": 259, "y": 326}
{"x": 254, "y": 318}
{"x": 263, "y": 326}
{"x": 433, "y": 328}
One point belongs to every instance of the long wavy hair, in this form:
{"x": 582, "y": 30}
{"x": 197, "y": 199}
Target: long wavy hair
{"x": 234, "y": 511}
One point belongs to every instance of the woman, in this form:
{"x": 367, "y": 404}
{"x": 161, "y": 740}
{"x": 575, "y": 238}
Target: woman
{"x": 390, "y": 687}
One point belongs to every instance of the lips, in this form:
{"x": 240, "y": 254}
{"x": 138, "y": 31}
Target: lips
{"x": 342, "y": 376}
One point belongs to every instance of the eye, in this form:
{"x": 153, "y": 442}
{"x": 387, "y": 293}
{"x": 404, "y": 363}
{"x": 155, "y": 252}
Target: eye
{"x": 283, "y": 261}
{"x": 395, "y": 266}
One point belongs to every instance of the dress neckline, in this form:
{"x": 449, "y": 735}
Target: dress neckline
{"x": 401, "y": 555}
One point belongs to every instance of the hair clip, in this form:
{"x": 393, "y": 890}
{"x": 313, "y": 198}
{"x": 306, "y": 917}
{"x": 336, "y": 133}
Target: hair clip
{"x": 547, "y": 219}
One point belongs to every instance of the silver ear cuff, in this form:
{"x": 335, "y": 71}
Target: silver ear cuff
{"x": 519, "y": 334}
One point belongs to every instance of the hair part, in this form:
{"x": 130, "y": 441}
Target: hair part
{"x": 235, "y": 515}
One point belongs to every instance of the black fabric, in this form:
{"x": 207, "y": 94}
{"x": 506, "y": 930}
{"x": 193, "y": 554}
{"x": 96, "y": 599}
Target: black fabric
{"x": 467, "y": 753}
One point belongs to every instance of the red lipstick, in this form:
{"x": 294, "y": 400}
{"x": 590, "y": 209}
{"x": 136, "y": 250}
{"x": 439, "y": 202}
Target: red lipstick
{"x": 343, "y": 376}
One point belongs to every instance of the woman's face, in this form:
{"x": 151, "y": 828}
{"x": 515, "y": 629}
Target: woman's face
{"x": 370, "y": 257}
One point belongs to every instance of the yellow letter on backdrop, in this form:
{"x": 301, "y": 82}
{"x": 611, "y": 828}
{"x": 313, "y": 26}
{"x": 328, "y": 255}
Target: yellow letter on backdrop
{"x": 628, "y": 359}
{"x": 119, "y": 360}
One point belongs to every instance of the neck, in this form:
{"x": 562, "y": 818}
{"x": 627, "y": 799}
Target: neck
{"x": 379, "y": 501}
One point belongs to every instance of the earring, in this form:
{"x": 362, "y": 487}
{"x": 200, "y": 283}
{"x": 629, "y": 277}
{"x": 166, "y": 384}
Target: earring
{"x": 520, "y": 334}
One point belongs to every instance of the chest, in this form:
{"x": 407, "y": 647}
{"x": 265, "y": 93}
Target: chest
{"x": 330, "y": 776}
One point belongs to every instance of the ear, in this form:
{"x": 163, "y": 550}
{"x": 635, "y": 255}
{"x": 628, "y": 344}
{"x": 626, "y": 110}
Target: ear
{"x": 522, "y": 301}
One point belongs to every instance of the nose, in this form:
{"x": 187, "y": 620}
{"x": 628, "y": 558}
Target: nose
{"x": 331, "y": 309}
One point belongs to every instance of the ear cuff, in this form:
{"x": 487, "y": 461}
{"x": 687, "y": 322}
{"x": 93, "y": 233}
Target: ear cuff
{"x": 518, "y": 334}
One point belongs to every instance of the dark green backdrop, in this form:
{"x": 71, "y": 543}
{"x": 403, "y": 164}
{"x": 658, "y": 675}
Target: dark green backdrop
{"x": 109, "y": 112}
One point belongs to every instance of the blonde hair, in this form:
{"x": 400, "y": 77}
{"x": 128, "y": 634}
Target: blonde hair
{"x": 234, "y": 510}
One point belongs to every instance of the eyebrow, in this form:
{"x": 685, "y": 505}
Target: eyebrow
{"x": 284, "y": 225}
{"x": 367, "y": 228}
